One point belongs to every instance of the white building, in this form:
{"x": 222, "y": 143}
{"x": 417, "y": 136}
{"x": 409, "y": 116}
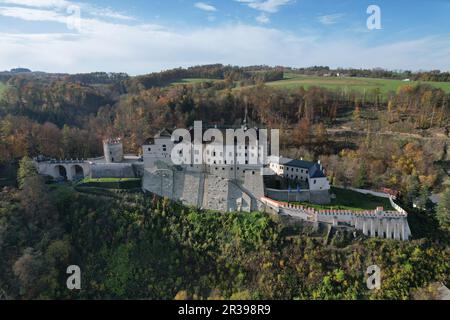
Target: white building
{"x": 299, "y": 170}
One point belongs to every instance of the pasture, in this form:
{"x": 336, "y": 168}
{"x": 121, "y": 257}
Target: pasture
{"x": 294, "y": 81}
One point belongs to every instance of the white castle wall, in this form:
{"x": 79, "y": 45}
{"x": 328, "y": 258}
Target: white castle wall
{"x": 376, "y": 223}
{"x": 113, "y": 151}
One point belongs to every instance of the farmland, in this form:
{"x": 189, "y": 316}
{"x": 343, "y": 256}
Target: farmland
{"x": 293, "y": 81}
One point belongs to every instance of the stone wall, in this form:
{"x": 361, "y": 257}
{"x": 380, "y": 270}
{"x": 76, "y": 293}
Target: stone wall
{"x": 112, "y": 170}
{"x": 285, "y": 195}
{"x": 317, "y": 197}
{"x": 375, "y": 223}
{"x": 206, "y": 190}
{"x": 215, "y": 194}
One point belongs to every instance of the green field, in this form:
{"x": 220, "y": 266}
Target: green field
{"x": 293, "y": 81}
{"x": 194, "y": 80}
{"x": 352, "y": 200}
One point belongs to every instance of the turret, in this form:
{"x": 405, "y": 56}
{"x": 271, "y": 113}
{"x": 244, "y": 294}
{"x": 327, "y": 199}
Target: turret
{"x": 113, "y": 150}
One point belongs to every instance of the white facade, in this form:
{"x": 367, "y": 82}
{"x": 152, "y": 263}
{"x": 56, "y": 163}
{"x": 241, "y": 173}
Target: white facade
{"x": 299, "y": 170}
{"x": 160, "y": 150}
{"x": 113, "y": 150}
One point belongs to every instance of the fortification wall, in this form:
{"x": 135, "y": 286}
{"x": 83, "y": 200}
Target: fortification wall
{"x": 188, "y": 188}
{"x": 285, "y": 195}
{"x": 215, "y": 195}
{"x": 376, "y": 223}
{"x": 112, "y": 170}
{"x": 206, "y": 190}
{"x": 317, "y": 197}
{"x": 320, "y": 197}
{"x": 159, "y": 182}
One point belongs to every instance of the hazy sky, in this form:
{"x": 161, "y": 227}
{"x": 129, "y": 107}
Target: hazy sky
{"x": 137, "y": 36}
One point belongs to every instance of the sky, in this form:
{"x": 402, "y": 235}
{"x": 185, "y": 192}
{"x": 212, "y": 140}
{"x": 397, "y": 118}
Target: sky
{"x": 142, "y": 36}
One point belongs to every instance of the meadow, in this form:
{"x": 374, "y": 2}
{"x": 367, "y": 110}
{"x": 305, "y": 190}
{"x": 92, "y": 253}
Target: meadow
{"x": 294, "y": 81}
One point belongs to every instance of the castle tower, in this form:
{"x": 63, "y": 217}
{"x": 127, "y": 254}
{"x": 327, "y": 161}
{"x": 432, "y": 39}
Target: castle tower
{"x": 113, "y": 150}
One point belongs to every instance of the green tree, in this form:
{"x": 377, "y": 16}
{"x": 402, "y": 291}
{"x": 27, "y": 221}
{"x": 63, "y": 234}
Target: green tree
{"x": 361, "y": 177}
{"x": 443, "y": 209}
{"x": 26, "y": 170}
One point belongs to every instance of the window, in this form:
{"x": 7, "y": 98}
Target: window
{"x": 149, "y": 149}
{"x": 315, "y": 181}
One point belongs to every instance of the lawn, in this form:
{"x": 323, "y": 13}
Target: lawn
{"x": 293, "y": 81}
{"x": 111, "y": 183}
{"x": 352, "y": 200}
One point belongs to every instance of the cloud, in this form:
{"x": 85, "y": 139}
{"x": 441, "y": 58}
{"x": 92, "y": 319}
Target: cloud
{"x": 65, "y": 6}
{"x": 205, "y": 7}
{"x": 137, "y": 49}
{"x": 32, "y": 14}
{"x": 270, "y": 6}
{"x": 116, "y": 45}
{"x": 330, "y": 19}
{"x": 263, "y": 18}
{"x": 39, "y": 3}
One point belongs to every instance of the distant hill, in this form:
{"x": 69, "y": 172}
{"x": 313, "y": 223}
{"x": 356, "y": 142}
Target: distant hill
{"x": 20, "y": 70}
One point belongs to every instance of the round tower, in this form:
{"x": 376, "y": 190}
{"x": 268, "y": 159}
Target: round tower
{"x": 113, "y": 150}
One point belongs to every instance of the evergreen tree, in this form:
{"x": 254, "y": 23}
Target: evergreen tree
{"x": 361, "y": 177}
{"x": 26, "y": 170}
{"x": 443, "y": 209}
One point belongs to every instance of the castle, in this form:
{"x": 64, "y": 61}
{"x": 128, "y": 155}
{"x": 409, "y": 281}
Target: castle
{"x": 223, "y": 176}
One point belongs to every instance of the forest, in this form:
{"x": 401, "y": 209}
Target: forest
{"x": 131, "y": 245}
{"x": 142, "y": 247}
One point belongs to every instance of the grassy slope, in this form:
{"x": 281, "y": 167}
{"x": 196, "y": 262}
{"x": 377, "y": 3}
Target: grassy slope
{"x": 293, "y": 81}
